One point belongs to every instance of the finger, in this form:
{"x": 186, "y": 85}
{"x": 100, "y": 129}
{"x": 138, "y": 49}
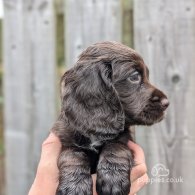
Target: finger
{"x": 50, "y": 146}
{"x": 138, "y": 171}
{"x": 50, "y": 151}
{"x": 138, "y": 184}
{"x": 46, "y": 180}
{"x": 140, "y": 168}
{"x": 138, "y": 152}
{"x": 94, "y": 177}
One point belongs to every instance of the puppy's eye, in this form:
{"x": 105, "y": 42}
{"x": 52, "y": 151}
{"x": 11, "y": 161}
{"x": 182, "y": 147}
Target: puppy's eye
{"x": 135, "y": 77}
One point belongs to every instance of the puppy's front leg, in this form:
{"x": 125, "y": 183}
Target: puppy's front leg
{"x": 74, "y": 173}
{"x": 113, "y": 170}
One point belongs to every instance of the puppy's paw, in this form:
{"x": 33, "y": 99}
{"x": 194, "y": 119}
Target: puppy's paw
{"x": 112, "y": 180}
{"x": 77, "y": 185}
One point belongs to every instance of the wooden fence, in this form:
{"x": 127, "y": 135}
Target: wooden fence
{"x": 164, "y": 34}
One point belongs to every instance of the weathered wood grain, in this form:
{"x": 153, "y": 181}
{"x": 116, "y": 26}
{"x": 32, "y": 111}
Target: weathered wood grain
{"x": 165, "y": 37}
{"x": 127, "y": 22}
{"x": 29, "y": 83}
{"x": 89, "y": 22}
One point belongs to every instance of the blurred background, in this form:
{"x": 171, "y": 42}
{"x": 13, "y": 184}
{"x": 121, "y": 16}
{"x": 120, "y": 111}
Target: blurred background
{"x": 40, "y": 39}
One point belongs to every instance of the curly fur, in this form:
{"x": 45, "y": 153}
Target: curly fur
{"x": 99, "y": 106}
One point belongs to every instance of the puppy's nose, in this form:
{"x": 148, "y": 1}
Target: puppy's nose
{"x": 155, "y": 99}
{"x": 165, "y": 103}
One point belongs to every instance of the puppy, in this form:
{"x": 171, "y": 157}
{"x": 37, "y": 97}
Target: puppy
{"x": 103, "y": 95}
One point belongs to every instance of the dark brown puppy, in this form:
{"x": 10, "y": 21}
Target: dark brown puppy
{"x": 106, "y": 93}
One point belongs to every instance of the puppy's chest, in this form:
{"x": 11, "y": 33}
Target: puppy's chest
{"x": 92, "y": 142}
{"x": 95, "y": 143}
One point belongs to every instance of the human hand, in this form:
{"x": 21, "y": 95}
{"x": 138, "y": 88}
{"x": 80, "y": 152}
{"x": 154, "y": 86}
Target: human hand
{"x": 46, "y": 180}
{"x": 139, "y": 177}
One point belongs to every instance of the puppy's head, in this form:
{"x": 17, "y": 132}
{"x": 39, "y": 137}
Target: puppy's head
{"x": 108, "y": 88}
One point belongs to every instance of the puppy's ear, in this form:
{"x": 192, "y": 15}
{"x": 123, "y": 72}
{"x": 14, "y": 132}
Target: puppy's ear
{"x": 90, "y": 103}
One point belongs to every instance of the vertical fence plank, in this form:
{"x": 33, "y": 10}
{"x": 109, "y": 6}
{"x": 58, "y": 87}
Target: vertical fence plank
{"x": 89, "y": 22}
{"x": 29, "y": 87}
{"x": 165, "y": 36}
{"x": 127, "y": 22}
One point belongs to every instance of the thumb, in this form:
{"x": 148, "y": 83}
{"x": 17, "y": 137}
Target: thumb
{"x": 50, "y": 148}
{"x": 50, "y": 151}
{"x": 46, "y": 180}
